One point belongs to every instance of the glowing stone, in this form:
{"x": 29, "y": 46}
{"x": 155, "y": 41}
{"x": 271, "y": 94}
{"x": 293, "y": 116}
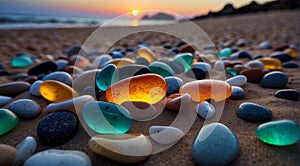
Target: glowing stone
{"x": 147, "y": 53}
{"x": 271, "y": 63}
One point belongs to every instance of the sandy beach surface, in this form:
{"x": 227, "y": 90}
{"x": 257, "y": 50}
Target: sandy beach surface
{"x": 278, "y": 27}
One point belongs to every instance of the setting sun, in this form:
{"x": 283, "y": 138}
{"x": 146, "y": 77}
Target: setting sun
{"x": 135, "y": 12}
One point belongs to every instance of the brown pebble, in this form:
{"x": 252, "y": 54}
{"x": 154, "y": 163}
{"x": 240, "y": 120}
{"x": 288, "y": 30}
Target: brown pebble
{"x": 14, "y": 88}
{"x": 187, "y": 49}
{"x": 8, "y": 154}
{"x": 253, "y": 75}
{"x": 175, "y": 103}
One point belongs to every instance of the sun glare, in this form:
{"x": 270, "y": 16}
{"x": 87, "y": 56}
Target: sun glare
{"x": 135, "y": 12}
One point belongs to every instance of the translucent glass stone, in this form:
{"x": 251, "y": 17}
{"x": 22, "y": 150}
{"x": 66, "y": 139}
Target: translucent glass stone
{"x": 231, "y": 71}
{"x": 271, "y": 63}
{"x": 186, "y": 59}
{"x": 8, "y": 121}
{"x": 22, "y": 60}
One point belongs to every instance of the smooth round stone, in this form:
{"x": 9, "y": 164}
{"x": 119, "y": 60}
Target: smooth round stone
{"x": 86, "y": 79}
{"x": 177, "y": 102}
{"x": 254, "y": 112}
{"x": 30, "y": 79}
{"x": 59, "y": 76}
{"x": 265, "y": 45}
{"x": 35, "y": 88}
{"x": 56, "y": 157}
{"x": 106, "y": 118}
{"x": 205, "y": 110}
{"x": 75, "y": 50}
{"x": 196, "y": 73}
{"x": 219, "y": 65}
{"x": 142, "y": 111}
{"x": 107, "y": 76}
{"x": 282, "y": 56}
{"x": 25, "y": 108}
{"x": 43, "y": 68}
{"x": 56, "y": 91}
{"x": 61, "y": 64}
{"x": 290, "y": 94}
{"x": 280, "y": 132}
{"x": 141, "y": 61}
{"x": 8, "y": 154}
{"x": 117, "y": 54}
{"x": 173, "y": 84}
{"x": 79, "y": 61}
{"x": 253, "y": 75}
{"x": 203, "y": 66}
{"x": 225, "y": 52}
{"x": 215, "y": 144}
{"x": 172, "y": 51}
{"x": 271, "y": 63}
{"x": 133, "y": 70}
{"x": 4, "y": 100}
{"x": 239, "y": 68}
{"x": 123, "y": 148}
{"x": 185, "y": 59}
{"x": 24, "y": 150}
{"x": 74, "y": 105}
{"x": 57, "y": 128}
{"x": 281, "y": 47}
{"x": 165, "y": 134}
{"x": 202, "y": 90}
{"x": 8, "y": 121}
{"x": 240, "y": 55}
{"x": 149, "y": 88}
{"x": 146, "y": 53}
{"x": 258, "y": 56}
{"x": 256, "y": 64}
{"x": 4, "y": 73}
{"x": 292, "y": 52}
{"x": 274, "y": 79}
{"x": 239, "y": 80}
{"x": 14, "y": 88}
{"x": 21, "y": 61}
{"x": 73, "y": 70}
{"x": 290, "y": 64}
{"x": 100, "y": 61}
{"x": 161, "y": 68}
{"x": 237, "y": 93}
{"x": 241, "y": 42}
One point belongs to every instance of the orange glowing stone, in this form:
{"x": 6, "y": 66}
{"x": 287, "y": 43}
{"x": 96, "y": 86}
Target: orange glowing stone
{"x": 202, "y": 90}
{"x": 292, "y": 52}
{"x": 271, "y": 63}
{"x": 56, "y": 91}
{"x": 149, "y": 88}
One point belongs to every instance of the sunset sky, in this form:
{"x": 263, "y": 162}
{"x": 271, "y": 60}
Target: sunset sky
{"x": 113, "y": 8}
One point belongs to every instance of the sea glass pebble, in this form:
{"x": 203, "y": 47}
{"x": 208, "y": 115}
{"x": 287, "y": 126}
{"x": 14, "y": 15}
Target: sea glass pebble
{"x": 21, "y": 61}
{"x": 146, "y": 53}
{"x": 8, "y": 154}
{"x": 185, "y": 59}
{"x": 202, "y": 90}
{"x": 25, "y": 149}
{"x": 290, "y": 94}
{"x": 231, "y": 71}
{"x": 123, "y": 148}
{"x": 149, "y": 88}
{"x": 215, "y": 144}
{"x": 165, "y": 134}
{"x": 107, "y": 76}
{"x": 56, "y": 91}
{"x": 280, "y": 132}
{"x": 8, "y": 121}
{"x": 25, "y": 108}
{"x": 57, "y": 128}
{"x": 271, "y": 63}
{"x": 275, "y": 79}
{"x": 205, "y": 110}
{"x": 121, "y": 62}
{"x": 106, "y": 118}
{"x": 225, "y": 52}
{"x": 292, "y": 52}
{"x": 239, "y": 80}
{"x": 56, "y": 157}
{"x": 254, "y": 112}
{"x": 161, "y": 68}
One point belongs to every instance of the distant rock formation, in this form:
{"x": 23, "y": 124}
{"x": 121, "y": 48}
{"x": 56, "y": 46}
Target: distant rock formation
{"x": 158, "y": 16}
{"x": 253, "y": 7}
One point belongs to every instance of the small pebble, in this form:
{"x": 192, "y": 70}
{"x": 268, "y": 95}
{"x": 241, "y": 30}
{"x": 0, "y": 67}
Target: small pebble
{"x": 4, "y": 100}
{"x": 256, "y": 64}
{"x": 203, "y": 66}
{"x": 239, "y": 80}
{"x": 265, "y": 45}
{"x": 8, "y": 121}
{"x": 178, "y": 102}
{"x": 161, "y": 68}
{"x": 254, "y": 75}
{"x": 25, "y": 108}
{"x": 8, "y": 154}
{"x": 106, "y": 77}
{"x": 35, "y": 88}
{"x": 254, "y": 112}
{"x": 14, "y": 88}
{"x": 59, "y": 76}
{"x": 43, "y": 68}
{"x": 290, "y": 64}
{"x": 205, "y": 110}
{"x": 196, "y": 73}
{"x": 282, "y": 56}
{"x": 237, "y": 93}
{"x": 61, "y": 64}
{"x": 24, "y": 150}
{"x": 275, "y": 79}
{"x": 173, "y": 84}
{"x": 290, "y": 94}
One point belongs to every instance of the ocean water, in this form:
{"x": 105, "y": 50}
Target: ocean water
{"x": 34, "y": 21}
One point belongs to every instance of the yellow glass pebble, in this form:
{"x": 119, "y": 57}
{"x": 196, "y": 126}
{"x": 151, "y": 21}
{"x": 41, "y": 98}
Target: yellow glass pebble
{"x": 147, "y": 53}
{"x": 149, "y": 88}
{"x": 292, "y": 52}
{"x": 271, "y": 63}
{"x": 202, "y": 90}
{"x": 121, "y": 62}
{"x": 56, "y": 91}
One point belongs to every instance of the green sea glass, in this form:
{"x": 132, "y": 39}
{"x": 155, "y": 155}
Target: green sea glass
{"x": 231, "y": 71}
{"x": 161, "y": 69}
{"x": 226, "y": 52}
{"x": 106, "y": 118}
{"x": 8, "y": 121}
{"x": 22, "y": 60}
{"x": 279, "y": 132}
{"x": 186, "y": 59}
{"x": 107, "y": 76}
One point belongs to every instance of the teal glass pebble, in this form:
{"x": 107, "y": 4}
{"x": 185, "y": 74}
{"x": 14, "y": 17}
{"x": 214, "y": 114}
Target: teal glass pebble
{"x": 186, "y": 59}
{"x": 8, "y": 121}
{"x": 106, "y": 118}
{"x": 226, "y": 52}
{"x": 280, "y": 132}
{"x": 231, "y": 71}
{"x": 107, "y": 76}
{"x": 161, "y": 69}
{"x": 22, "y": 60}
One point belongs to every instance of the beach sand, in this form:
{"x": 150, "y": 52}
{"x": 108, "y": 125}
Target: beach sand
{"x": 278, "y": 27}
